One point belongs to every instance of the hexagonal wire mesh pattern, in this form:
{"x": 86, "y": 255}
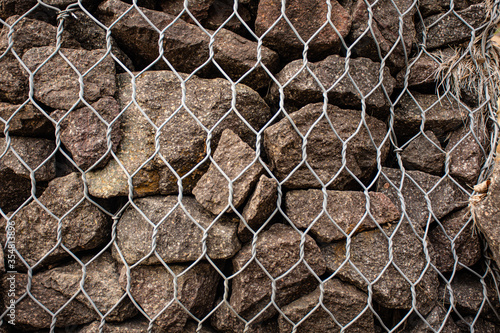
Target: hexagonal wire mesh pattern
{"x": 248, "y": 166}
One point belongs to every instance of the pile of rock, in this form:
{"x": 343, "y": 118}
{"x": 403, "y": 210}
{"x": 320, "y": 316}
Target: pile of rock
{"x": 173, "y": 167}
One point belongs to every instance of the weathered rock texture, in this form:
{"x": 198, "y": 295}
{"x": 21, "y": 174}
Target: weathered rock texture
{"x": 424, "y": 153}
{"x": 24, "y": 120}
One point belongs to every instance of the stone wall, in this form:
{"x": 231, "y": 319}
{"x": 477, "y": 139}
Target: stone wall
{"x": 161, "y": 165}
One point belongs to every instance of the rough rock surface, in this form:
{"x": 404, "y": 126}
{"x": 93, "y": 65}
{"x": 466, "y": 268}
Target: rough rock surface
{"x": 459, "y": 229}
{"x": 386, "y": 30}
{"x": 178, "y": 238}
{"x": 15, "y": 7}
{"x": 36, "y": 229}
{"x": 24, "y": 120}
{"x": 347, "y": 210}
{"x": 304, "y": 89}
{"x": 259, "y": 207}
{"x": 152, "y": 287}
{"x": 182, "y": 139}
{"x": 343, "y": 300}
{"x": 444, "y": 197}
{"x": 56, "y": 83}
{"x": 435, "y": 319}
{"x": 278, "y": 251}
{"x": 369, "y": 253}
{"x": 307, "y": 18}
{"x": 232, "y": 156}
{"x": 424, "y": 153}
{"x": 14, "y": 189}
{"x": 13, "y": 83}
{"x": 198, "y": 8}
{"x": 235, "y": 54}
{"x": 224, "y": 320}
{"x": 431, "y": 7}
{"x": 448, "y": 29}
{"x": 442, "y": 115}
{"x": 84, "y": 134}
{"x": 220, "y": 11}
{"x": 129, "y": 326}
{"x": 422, "y": 70}
{"x": 324, "y": 149}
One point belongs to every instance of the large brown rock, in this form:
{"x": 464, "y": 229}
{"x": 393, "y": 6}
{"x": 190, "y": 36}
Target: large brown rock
{"x": 455, "y": 235}
{"x": 444, "y": 195}
{"x": 369, "y": 253}
{"x": 182, "y": 140}
{"x": 449, "y": 28}
{"x": 152, "y": 287}
{"x": 341, "y": 299}
{"x": 83, "y": 225}
{"x": 13, "y": 83}
{"x": 84, "y": 134}
{"x": 391, "y": 30}
{"x": 278, "y": 250}
{"x": 236, "y": 159}
{"x": 307, "y": 18}
{"x": 56, "y": 83}
{"x": 344, "y": 215}
{"x": 24, "y": 120}
{"x": 424, "y": 153}
{"x": 324, "y": 148}
{"x": 185, "y": 46}
{"x": 178, "y": 237}
{"x": 363, "y": 74}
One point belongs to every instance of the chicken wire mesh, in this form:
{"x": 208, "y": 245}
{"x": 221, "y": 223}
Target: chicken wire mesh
{"x": 248, "y": 166}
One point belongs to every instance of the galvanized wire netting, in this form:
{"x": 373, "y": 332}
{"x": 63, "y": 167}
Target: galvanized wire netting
{"x": 247, "y": 166}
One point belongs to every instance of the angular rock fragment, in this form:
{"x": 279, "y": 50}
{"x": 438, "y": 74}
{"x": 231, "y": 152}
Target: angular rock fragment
{"x": 442, "y": 114}
{"x": 444, "y": 197}
{"x": 224, "y": 320}
{"x": 84, "y": 134}
{"x": 24, "y": 120}
{"x": 259, "y": 207}
{"x": 431, "y": 7}
{"x": 449, "y": 29}
{"x": 14, "y": 189}
{"x": 324, "y": 148}
{"x": 369, "y": 253}
{"x": 343, "y": 300}
{"x": 304, "y": 89}
{"x": 467, "y": 154}
{"x": 13, "y": 83}
{"x": 198, "y": 8}
{"x": 83, "y": 228}
{"x": 232, "y": 156}
{"x": 422, "y": 69}
{"x": 30, "y": 33}
{"x": 435, "y": 319}
{"x": 278, "y": 250}
{"x": 307, "y": 17}
{"x": 458, "y": 234}
{"x": 152, "y": 287}
{"x": 178, "y": 238}
{"x": 185, "y": 45}
{"x": 220, "y": 11}
{"x": 346, "y": 212}
{"x": 385, "y": 33}
{"x": 424, "y": 153}
{"x": 56, "y": 83}
{"x": 182, "y": 139}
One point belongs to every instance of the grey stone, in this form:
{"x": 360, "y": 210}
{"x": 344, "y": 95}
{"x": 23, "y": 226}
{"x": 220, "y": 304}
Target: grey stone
{"x": 424, "y": 153}
{"x": 182, "y": 139}
{"x": 343, "y": 300}
{"x": 369, "y": 252}
{"x": 466, "y": 149}
{"x": 15, "y": 7}
{"x": 386, "y": 30}
{"x": 84, "y": 134}
{"x": 304, "y": 89}
{"x": 448, "y": 29}
{"x": 346, "y": 209}
{"x": 36, "y": 229}
{"x": 307, "y": 18}
{"x": 56, "y": 83}
{"x": 259, "y": 207}
{"x": 13, "y": 83}
{"x": 232, "y": 156}
{"x": 444, "y": 197}
{"x": 435, "y": 319}
{"x": 442, "y": 115}
{"x": 24, "y": 120}
{"x": 152, "y": 287}
{"x": 278, "y": 250}
{"x": 185, "y": 45}
{"x": 225, "y": 321}
{"x": 324, "y": 149}
{"x": 30, "y": 33}
{"x": 178, "y": 238}
{"x": 456, "y": 229}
